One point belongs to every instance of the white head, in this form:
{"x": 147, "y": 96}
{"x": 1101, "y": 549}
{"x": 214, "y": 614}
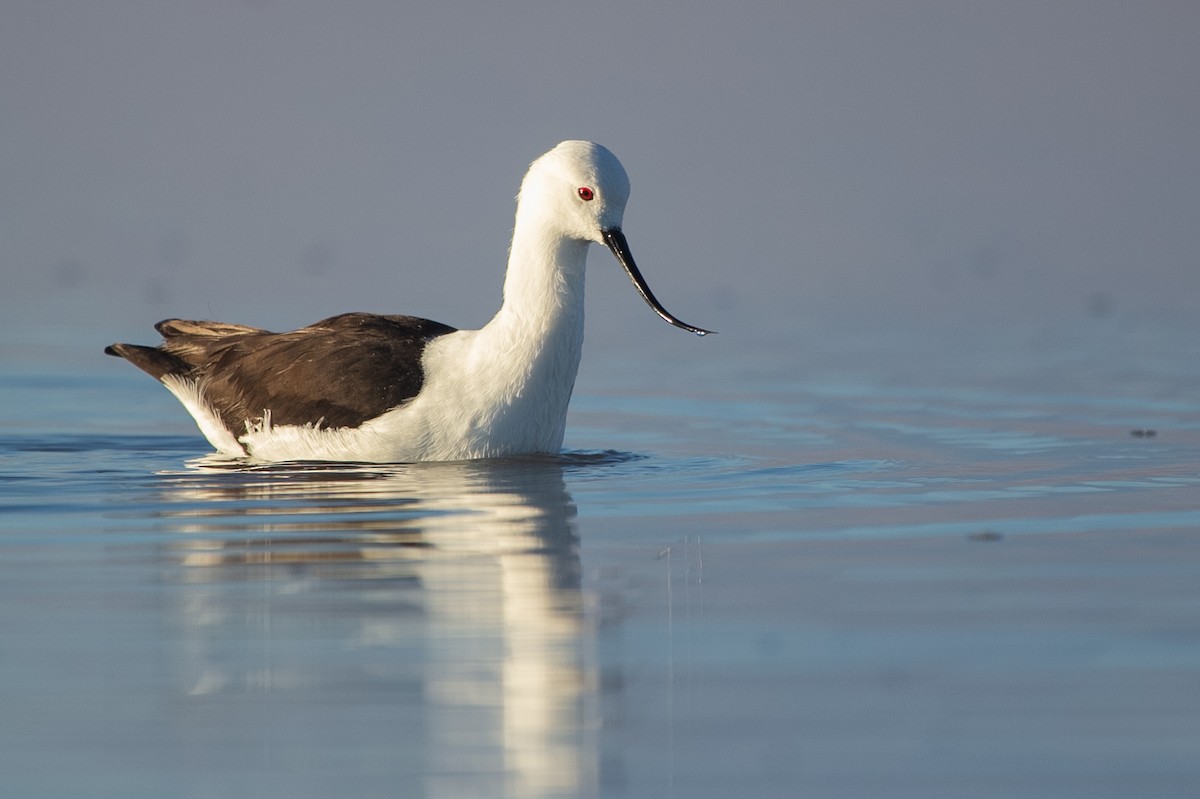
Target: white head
{"x": 579, "y": 187}
{"x": 579, "y": 190}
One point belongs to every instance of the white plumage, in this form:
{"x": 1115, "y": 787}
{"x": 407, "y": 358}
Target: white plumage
{"x": 500, "y": 390}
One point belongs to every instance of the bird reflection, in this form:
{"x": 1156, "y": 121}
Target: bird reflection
{"x": 468, "y": 571}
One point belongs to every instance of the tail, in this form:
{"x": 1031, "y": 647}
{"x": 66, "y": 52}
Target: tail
{"x": 151, "y": 360}
{"x": 184, "y": 347}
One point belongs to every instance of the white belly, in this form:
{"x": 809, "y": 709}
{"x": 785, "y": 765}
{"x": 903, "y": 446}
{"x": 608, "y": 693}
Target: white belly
{"x": 479, "y": 400}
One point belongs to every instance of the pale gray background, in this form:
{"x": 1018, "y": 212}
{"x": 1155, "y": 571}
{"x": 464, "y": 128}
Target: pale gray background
{"x": 861, "y": 163}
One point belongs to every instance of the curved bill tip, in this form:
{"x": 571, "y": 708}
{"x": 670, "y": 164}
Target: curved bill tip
{"x": 616, "y": 242}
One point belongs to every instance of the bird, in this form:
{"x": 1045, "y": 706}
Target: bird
{"x": 377, "y": 388}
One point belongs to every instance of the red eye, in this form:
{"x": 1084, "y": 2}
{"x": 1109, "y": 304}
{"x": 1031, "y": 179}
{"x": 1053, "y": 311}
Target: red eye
{"x": 585, "y": 193}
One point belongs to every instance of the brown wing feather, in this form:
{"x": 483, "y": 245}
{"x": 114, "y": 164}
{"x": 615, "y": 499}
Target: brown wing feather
{"x": 338, "y": 372}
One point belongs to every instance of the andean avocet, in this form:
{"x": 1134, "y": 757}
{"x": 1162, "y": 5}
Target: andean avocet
{"x": 381, "y": 388}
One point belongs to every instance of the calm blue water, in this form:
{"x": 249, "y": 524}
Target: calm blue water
{"x": 909, "y": 566}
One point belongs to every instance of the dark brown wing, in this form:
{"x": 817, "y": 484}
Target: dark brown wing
{"x": 339, "y": 372}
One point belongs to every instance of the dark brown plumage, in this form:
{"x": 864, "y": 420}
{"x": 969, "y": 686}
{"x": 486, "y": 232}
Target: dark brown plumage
{"x": 338, "y": 372}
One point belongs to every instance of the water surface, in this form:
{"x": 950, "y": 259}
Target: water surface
{"x": 917, "y": 568}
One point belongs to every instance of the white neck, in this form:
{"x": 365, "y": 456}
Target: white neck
{"x": 535, "y": 340}
{"x": 543, "y": 288}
